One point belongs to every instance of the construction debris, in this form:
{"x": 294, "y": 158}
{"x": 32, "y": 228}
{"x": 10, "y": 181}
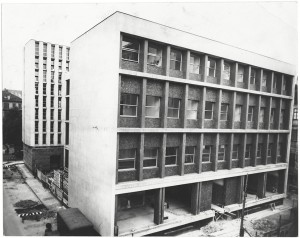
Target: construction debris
{"x": 264, "y": 225}
{"x": 26, "y": 204}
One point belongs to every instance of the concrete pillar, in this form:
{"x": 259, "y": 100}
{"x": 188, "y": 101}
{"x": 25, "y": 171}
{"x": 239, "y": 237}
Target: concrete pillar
{"x": 214, "y": 154}
{"x": 145, "y": 55}
{"x": 141, "y": 157}
{"x": 219, "y": 73}
{"x": 261, "y": 185}
{"x": 159, "y": 201}
{"x": 143, "y": 102}
{"x": 240, "y": 189}
{"x": 265, "y": 149}
{"x": 117, "y": 157}
{"x": 259, "y": 79}
{"x": 277, "y": 115}
{"x": 166, "y": 60}
{"x": 218, "y": 107}
{"x": 186, "y": 64}
{"x": 182, "y": 154}
{"x": 245, "y": 111}
{"x": 229, "y": 150}
{"x": 257, "y": 110}
{"x": 184, "y": 105}
{"x": 201, "y": 112}
{"x": 163, "y": 156}
{"x": 231, "y": 110}
{"x": 243, "y": 150}
{"x": 195, "y": 198}
{"x": 270, "y": 85}
{"x": 275, "y": 148}
{"x": 205, "y": 68}
{"x": 254, "y": 151}
{"x": 268, "y": 112}
{"x": 247, "y": 75}
{"x": 165, "y": 105}
{"x": 235, "y": 74}
{"x": 199, "y": 150}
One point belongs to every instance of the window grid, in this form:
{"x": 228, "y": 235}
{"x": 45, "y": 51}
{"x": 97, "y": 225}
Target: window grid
{"x": 209, "y": 110}
{"x": 176, "y": 60}
{"x": 152, "y": 106}
{"x": 126, "y": 160}
{"x": 224, "y": 112}
{"x": 173, "y": 108}
{"x": 250, "y": 113}
{"x": 206, "y": 154}
{"x": 128, "y": 105}
{"x": 192, "y": 110}
{"x": 221, "y": 152}
{"x": 171, "y": 156}
{"x": 189, "y": 154}
{"x": 150, "y": 157}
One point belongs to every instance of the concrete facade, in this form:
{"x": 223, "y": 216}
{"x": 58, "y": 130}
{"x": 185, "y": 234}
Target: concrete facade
{"x": 46, "y": 70}
{"x": 158, "y": 129}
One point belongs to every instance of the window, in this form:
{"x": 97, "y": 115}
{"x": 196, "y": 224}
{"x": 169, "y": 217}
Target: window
{"x": 221, "y": 153}
{"x": 68, "y": 53}
{"x": 36, "y": 88}
{"x": 60, "y": 52}
{"x": 192, "y": 109}
{"x": 189, "y": 154}
{"x": 59, "y": 77}
{"x": 36, "y": 48}
{"x": 51, "y": 126}
{"x": 275, "y": 79}
{"x": 155, "y": 55}
{"x": 37, "y": 78}
{"x": 44, "y": 114}
{"x": 240, "y": 76}
{"x": 59, "y": 90}
{"x": 52, "y": 102}
{"x": 67, "y": 66}
{"x": 173, "y": 107}
{"x": 10, "y": 105}
{"x": 52, "y": 64}
{"x": 171, "y": 156}
{"x": 36, "y": 113}
{"x": 235, "y": 152}
{"x": 45, "y": 75}
{"x": 279, "y": 146}
{"x": 59, "y": 126}
{"x": 67, "y": 133}
{"x": 270, "y": 147}
{"x": 44, "y": 61}
{"x": 51, "y": 138}
{"x": 295, "y": 114}
{"x": 248, "y": 151}
{"x": 59, "y": 65}
{"x": 150, "y": 157}
{"x": 250, "y": 113}
{"x": 130, "y": 49}
{"x": 282, "y": 116}
{"x": 36, "y": 75}
{"x": 44, "y": 88}
{"x": 44, "y": 126}
{"x": 67, "y": 87}
{"x": 261, "y": 114}
{"x": 209, "y": 110}
{"x": 44, "y": 101}
{"x": 226, "y": 71}
{"x": 36, "y": 65}
{"x": 59, "y": 115}
{"x": 212, "y": 64}
{"x": 36, "y": 139}
{"x": 36, "y": 101}
{"x": 206, "y": 153}
{"x": 45, "y": 50}
{"x": 253, "y": 76}
{"x": 52, "y": 89}
{"x": 238, "y": 113}
{"x": 52, "y": 50}
{"x": 128, "y": 105}
{"x": 52, "y": 114}
{"x": 36, "y": 126}
{"x": 259, "y": 150}
{"x": 273, "y": 110}
{"x": 126, "y": 159}
{"x": 194, "y": 64}
{"x": 59, "y": 139}
{"x": 44, "y": 138}
{"x": 175, "y": 60}
{"x": 152, "y": 106}
{"x": 283, "y": 84}
{"x": 224, "y": 112}
{"x": 52, "y": 76}
{"x": 264, "y": 79}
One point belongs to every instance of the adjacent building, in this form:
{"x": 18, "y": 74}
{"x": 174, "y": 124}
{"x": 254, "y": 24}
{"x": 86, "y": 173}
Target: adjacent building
{"x": 10, "y": 101}
{"x": 166, "y": 127}
{"x": 45, "y": 76}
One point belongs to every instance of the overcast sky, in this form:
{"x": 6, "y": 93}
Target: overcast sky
{"x": 268, "y": 28}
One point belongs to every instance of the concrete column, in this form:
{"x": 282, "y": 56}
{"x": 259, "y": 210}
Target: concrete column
{"x": 195, "y": 197}
{"x": 143, "y": 102}
{"x": 116, "y": 228}
{"x": 201, "y": 112}
{"x": 205, "y": 69}
{"x": 167, "y": 57}
{"x": 282, "y": 183}
{"x": 163, "y": 156}
{"x": 245, "y": 111}
{"x": 159, "y": 201}
{"x": 275, "y": 148}
{"x": 259, "y": 79}
{"x": 254, "y": 151}
{"x": 281, "y": 84}
{"x": 145, "y": 55}
{"x": 117, "y": 157}
{"x": 214, "y": 154}
{"x": 231, "y": 110}
{"x": 257, "y": 109}
{"x": 199, "y": 150}
{"x": 235, "y": 69}
{"x": 186, "y": 65}
{"x": 229, "y": 151}
{"x": 247, "y": 76}
{"x": 165, "y": 105}
{"x": 141, "y": 157}
{"x": 270, "y": 85}
{"x": 218, "y": 107}
{"x": 240, "y": 190}
{"x": 220, "y": 67}
{"x": 277, "y": 114}
{"x": 184, "y": 105}
{"x": 265, "y": 149}
{"x": 269, "y": 106}
{"x": 182, "y": 154}
{"x": 261, "y": 186}
{"x": 120, "y": 60}
{"x": 243, "y": 150}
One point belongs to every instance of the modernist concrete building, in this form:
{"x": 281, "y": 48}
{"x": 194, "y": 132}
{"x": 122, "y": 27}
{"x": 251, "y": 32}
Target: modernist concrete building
{"x": 165, "y": 126}
{"x": 46, "y": 68}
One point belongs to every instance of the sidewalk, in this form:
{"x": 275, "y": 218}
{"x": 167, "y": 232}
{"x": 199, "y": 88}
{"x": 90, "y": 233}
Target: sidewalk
{"x": 44, "y": 195}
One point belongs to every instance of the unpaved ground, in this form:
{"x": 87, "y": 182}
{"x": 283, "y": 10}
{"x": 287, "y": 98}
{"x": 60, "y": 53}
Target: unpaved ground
{"x": 15, "y": 190}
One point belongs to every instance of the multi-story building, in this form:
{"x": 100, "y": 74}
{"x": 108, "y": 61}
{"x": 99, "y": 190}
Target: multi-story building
{"x": 46, "y": 70}
{"x": 10, "y": 101}
{"x": 165, "y": 126}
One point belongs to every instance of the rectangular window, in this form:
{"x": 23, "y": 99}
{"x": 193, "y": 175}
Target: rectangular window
{"x": 282, "y": 116}
{"x": 128, "y": 105}
{"x": 235, "y": 152}
{"x": 275, "y": 79}
{"x": 270, "y": 147}
{"x": 37, "y": 75}
{"x": 279, "y": 146}
{"x": 155, "y": 55}
{"x": 44, "y": 61}
{"x": 44, "y": 139}
{"x": 262, "y": 115}
{"x": 67, "y": 66}
{"x": 226, "y": 71}
{"x": 36, "y": 48}
{"x": 150, "y": 157}
{"x": 36, "y": 88}
{"x": 194, "y": 64}
{"x": 241, "y": 71}
{"x": 206, "y": 153}
{"x": 67, "y": 87}
{"x": 52, "y": 102}
{"x": 44, "y": 114}
{"x": 259, "y": 150}
{"x": 126, "y": 159}
{"x": 36, "y": 101}
{"x": 173, "y": 107}
{"x": 67, "y": 133}
{"x": 273, "y": 110}
{"x": 51, "y": 139}
{"x": 152, "y": 106}
{"x": 283, "y": 84}
{"x": 224, "y": 112}
{"x": 36, "y": 113}
{"x": 238, "y": 113}
{"x": 44, "y": 66}
{"x": 66, "y": 159}
{"x": 192, "y": 109}
{"x": 59, "y": 90}
{"x": 253, "y": 76}
{"x": 59, "y": 114}
{"x": 295, "y": 114}
{"x": 52, "y": 114}
{"x": 36, "y": 126}
{"x": 59, "y": 126}
{"x": 212, "y": 64}
{"x": 250, "y": 113}
{"x": 45, "y": 75}
{"x": 59, "y": 77}
{"x": 264, "y": 79}
{"x": 52, "y": 50}
{"x": 37, "y": 78}
{"x": 52, "y": 76}
{"x": 36, "y": 139}
{"x": 171, "y": 156}
{"x": 67, "y": 108}
{"x": 209, "y": 110}
{"x": 44, "y": 88}
{"x": 36, "y": 65}
{"x": 248, "y": 151}
{"x": 59, "y": 139}
{"x": 175, "y": 60}
{"x": 60, "y": 52}
{"x": 51, "y": 126}
{"x": 45, "y": 50}
{"x": 68, "y": 53}
{"x": 44, "y": 101}
{"x": 44, "y": 126}
{"x": 130, "y": 49}
{"x": 189, "y": 154}
{"x": 52, "y": 89}
{"x": 221, "y": 153}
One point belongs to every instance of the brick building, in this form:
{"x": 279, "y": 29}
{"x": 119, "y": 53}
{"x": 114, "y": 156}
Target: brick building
{"x": 165, "y": 126}
{"x": 46, "y": 71}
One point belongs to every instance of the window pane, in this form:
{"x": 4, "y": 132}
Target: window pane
{"x": 130, "y": 44}
{"x": 155, "y": 55}
{"x": 171, "y": 160}
{"x": 149, "y": 163}
{"x": 127, "y": 153}
{"x": 128, "y": 55}
{"x": 226, "y": 71}
{"x": 189, "y": 159}
{"x": 238, "y": 113}
{"x": 192, "y": 115}
{"x": 126, "y": 164}
{"x": 171, "y": 151}
{"x": 175, "y": 55}
{"x": 261, "y": 114}
{"x": 240, "y": 74}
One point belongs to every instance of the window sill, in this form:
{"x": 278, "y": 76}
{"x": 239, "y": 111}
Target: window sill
{"x": 131, "y": 61}
{"x": 127, "y": 116}
{"x": 172, "y": 117}
{"x": 189, "y": 163}
{"x": 152, "y": 117}
{"x": 206, "y": 162}
{"x": 152, "y": 167}
{"x": 171, "y": 165}
{"x": 126, "y": 170}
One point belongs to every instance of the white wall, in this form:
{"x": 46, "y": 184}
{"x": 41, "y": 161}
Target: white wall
{"x": 94, "y": 66}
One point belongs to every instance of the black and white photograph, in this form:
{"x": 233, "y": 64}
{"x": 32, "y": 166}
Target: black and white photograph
{"x": 150, "y": 118}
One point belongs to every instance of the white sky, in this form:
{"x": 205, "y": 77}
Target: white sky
{"x": 268, "y": 28}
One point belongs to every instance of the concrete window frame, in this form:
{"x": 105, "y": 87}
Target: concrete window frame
{"x": 129, "y": 102}
{"x": 189, "y": 155}
{"x": 150, "y": 156}
{"x": 125, "y": 156}
{"x": 131, "y": 48}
